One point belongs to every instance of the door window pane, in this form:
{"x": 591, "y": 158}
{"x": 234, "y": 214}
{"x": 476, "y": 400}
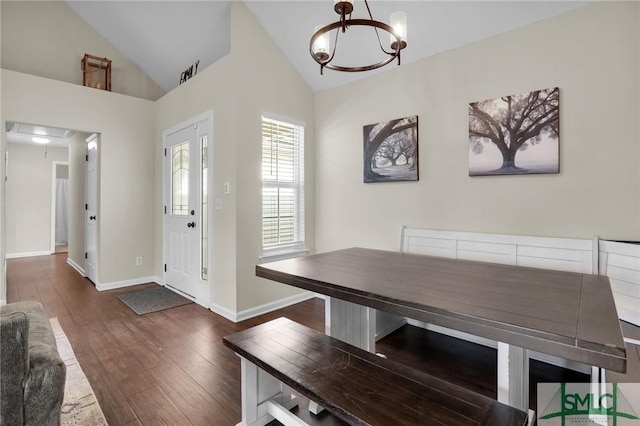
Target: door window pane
{"x": 203, "y": 211}
{"x": 180, "y": 179}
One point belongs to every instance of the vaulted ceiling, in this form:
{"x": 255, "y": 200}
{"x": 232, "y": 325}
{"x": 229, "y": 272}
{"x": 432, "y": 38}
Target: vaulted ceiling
{"x": 166, "y": 37}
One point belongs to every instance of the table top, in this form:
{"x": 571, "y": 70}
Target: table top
{"x": 567, "y": 314}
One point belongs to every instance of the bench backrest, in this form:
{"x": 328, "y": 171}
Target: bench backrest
{"x": 621, "y": 263}
{"x": 561, "y": 254}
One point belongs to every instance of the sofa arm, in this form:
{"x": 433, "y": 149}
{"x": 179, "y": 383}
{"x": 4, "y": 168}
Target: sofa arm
{"x": 42, "y": 387}
{"x": 14, "y": 363}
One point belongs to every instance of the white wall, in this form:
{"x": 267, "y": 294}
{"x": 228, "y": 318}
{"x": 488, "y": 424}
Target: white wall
{"x": 254, "y": 79}
{"x": 126, "y": 218}
{"x": 28, "y": 205}
{"x": 48, "y": 39}
{"x": 592, "y": 54}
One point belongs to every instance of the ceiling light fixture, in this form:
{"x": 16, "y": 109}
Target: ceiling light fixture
{"x": 37, "y": 139}
{"x": 320, "y": 44}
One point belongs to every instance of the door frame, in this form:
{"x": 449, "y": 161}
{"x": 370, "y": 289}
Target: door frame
{"x": 54, "y": 176}
{"x": 91, "y": 138}
{"x": 205, "y": 298}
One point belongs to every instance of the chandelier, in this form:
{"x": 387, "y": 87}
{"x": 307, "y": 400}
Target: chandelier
{"x": 320, "y": 44}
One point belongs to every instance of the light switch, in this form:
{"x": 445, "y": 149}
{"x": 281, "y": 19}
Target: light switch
{"x": 218, "y": 203}
{"x": 227, "y": 188}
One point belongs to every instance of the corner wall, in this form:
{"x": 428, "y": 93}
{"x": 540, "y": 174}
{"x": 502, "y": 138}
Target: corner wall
{"x": 126, "y": 176}
{"x": 234, "y": 88}
{"x": 49, "y": 39}
{"x": 592, "y": 54}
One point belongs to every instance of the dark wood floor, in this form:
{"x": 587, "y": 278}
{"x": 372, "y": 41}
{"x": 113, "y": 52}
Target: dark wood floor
{"x": 171, "y": 368}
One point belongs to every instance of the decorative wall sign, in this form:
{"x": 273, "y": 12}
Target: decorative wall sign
{"x": 516, "y": 134}
{"x": 391, "y": 150}
{"x": 189, "y": 72}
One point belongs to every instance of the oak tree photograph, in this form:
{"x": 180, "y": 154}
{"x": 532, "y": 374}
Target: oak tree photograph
{"x": 391, "y": 150}
{"x": 515, "y": 134}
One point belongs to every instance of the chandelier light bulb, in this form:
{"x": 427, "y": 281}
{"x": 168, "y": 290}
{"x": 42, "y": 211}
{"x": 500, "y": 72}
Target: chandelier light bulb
{"x": 321, "y": 46}
{"x": 398, "y": 21}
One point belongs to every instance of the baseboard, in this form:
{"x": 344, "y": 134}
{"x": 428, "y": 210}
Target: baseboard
{"x": 278, "y": 304}
{"x": 75, "y": 266}
{"x": 549, "y": 359}
{"x": 223, "y": 312}
{"x": 125, "y": 283}
{"x": 260, "y": 310}
{"x": 29, "y": 254}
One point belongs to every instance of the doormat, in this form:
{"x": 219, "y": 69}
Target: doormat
{"x": 152, "y": 300}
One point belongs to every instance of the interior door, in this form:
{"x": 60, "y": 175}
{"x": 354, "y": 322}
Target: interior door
{"x": 91, "y": 210}
{"x": 182, "y": 211}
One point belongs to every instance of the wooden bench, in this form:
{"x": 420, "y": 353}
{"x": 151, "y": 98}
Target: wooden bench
{"x": 282, "y": 356}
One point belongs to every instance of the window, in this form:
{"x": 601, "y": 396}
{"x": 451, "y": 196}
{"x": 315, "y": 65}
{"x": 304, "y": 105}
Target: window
{"x": 282, "y": 186}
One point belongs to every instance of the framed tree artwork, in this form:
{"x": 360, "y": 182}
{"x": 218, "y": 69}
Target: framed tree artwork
{"x": 391, "y": 150}
{"x": 515, "y": 134}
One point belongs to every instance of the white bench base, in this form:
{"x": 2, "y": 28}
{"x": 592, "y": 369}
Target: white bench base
{"x": 265, "y": 398}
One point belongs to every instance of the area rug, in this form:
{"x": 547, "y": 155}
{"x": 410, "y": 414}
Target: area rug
{"x": 80, "y": 406}
{"x": 152, "y": 300}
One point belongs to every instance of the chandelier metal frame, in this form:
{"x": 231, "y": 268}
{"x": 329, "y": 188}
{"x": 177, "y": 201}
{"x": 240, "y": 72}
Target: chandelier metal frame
{"x": 344, "y": 8}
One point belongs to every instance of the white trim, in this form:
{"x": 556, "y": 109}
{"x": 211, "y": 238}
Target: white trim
{"x": 278, "y": 304}
{"x": 28, "y": 254}
{"x": 282, "y": 255}
{"x": 283, "y": 119}
{"x": 3, "y": 302}
{"x": 97, "y": 139}
{"x": 189, "y": 122}
{"x": 223, "y": 312}
{"x": 201, "y": 298}
{"x": 262, "y": 309}
{"x": 75, "y": 266}
{"x": 54, "y": 167}
{"x": 125, "y": 283}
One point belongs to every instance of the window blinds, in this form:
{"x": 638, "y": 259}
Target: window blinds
{"x": 282, "y": 184}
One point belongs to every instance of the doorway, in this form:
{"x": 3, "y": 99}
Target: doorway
{"x": 187, "y": 218}
{"x": 30, "y": 210}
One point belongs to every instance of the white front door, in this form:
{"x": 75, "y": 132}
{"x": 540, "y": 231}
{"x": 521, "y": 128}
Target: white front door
{"x": 91, "y": 209}
{"x": 185, "y": 209}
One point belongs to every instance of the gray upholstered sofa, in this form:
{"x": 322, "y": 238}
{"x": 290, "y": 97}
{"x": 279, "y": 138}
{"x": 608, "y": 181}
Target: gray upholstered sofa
{"x": 32, "y": 375}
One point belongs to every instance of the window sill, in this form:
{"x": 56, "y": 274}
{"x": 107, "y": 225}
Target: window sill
{"x": 282, "y": 255}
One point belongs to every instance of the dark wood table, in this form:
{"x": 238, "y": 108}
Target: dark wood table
{"x": 566, "y": 314}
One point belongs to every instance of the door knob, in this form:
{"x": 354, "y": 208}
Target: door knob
{"x": 92, "y": 218}
{"x": 191, "y": 225}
